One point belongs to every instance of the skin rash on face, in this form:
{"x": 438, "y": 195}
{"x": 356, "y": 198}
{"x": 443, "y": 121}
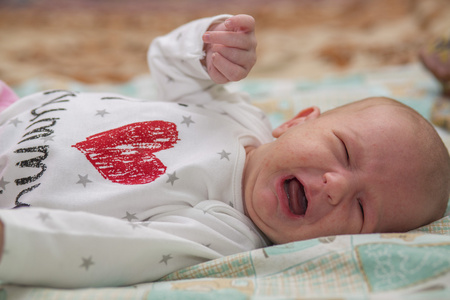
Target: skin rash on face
{"x": 346, "y": 171}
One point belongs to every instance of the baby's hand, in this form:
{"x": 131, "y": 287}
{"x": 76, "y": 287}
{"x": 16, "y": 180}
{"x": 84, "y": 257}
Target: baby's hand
{"x": 230, "y": 49}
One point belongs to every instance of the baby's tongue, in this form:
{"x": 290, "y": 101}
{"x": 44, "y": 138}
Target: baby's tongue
{"x": 297, "y": 200}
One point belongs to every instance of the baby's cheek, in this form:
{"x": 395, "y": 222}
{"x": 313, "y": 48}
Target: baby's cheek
{"x": 337, "y": 224}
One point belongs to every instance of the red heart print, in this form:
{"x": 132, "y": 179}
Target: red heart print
{"x": 125, "y": 154}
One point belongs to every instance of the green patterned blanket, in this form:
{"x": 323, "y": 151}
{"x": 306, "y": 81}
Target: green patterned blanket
{"x": 414, "y": 265}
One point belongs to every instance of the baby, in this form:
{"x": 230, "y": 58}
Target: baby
{"x": 109, "y": 190}
{"x": 371, "y": 166}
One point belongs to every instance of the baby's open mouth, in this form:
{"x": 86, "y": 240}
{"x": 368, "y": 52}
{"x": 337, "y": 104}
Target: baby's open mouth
{"x": 296, "y": 196}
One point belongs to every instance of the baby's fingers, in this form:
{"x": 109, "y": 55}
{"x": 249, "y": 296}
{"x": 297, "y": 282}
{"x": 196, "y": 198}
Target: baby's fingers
{"x": 229, "y": 70}
{"x": 244, "y": 23}
{"x": 238, "y": 40}
{"x": 243, "y": 58}
{"x": 230, "y": 49}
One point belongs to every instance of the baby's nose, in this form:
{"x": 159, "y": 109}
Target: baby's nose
{"x": 336, "y": 186}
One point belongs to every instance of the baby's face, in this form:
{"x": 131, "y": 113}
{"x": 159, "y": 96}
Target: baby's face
{"x": 337, "y": 173}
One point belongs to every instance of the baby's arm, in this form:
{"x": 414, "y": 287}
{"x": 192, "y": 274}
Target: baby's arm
{"x": 68, "y": 249}
{"x": 230, "y": 48}
{"x": 175, "y": 59}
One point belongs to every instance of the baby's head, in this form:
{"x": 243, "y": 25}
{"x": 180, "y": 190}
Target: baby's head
{"x": 374, "y": 165}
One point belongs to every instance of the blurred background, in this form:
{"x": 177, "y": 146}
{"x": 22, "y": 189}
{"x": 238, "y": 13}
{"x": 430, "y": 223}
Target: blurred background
{"x": 94, "y": 41}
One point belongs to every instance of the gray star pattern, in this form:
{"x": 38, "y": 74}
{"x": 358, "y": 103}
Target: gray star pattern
{"x": 166, "y": 258}
{"x": 87, "y": 263}
{"x": 172, "y": 178}
{"x": 133, "y": 225}
{"x": 44, "y": 216}
{"x": 187, "y": 120}
{"x": 83, "y": 180}
{"x": 48, "y": 138}
{"x": 130, "y": 217}
{"x": 15, "y": 122}
{"x": 102, "y": 113}
{"x": 3, "y": 183}
{"x": 224, "y": 154}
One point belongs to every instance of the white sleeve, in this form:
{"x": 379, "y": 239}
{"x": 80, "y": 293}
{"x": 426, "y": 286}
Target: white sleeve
{"x": 174, "y": 60}
{"x": 63, "y": 249}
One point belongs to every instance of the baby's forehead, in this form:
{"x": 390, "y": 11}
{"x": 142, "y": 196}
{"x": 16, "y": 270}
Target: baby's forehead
{"x": 389, "y": 113}
{"x": 383, "y": 126}
{"x": 371, "y": 105}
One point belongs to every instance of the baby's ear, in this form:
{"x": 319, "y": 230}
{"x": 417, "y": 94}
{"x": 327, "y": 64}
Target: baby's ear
{"x": 309, "y": 113}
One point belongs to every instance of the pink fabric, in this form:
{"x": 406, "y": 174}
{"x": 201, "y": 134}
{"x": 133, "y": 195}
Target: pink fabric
{"x": 7, "y": 96}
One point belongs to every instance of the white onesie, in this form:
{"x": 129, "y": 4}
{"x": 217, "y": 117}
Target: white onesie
{"x": 109, "y": 190}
